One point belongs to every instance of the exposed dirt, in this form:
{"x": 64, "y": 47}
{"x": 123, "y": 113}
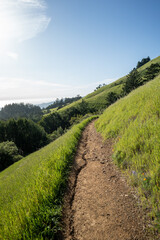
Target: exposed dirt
{"x": 99, "y": 205}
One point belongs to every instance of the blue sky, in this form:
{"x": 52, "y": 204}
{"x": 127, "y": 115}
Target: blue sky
{"x": 61, "y": 48}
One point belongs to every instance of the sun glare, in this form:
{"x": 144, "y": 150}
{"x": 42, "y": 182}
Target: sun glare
{"x": 8, "y": 27}
{"x": 21, "y": 20}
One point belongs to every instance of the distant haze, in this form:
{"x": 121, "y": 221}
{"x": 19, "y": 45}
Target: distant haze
{"x": 32, "y": 101}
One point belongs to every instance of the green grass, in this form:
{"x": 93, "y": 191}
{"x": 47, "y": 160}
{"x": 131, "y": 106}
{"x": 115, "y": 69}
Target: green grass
{"x": 134, "y": 123}
{"x": 45, "y": 112}
{"x": 97, "y": 98}
{"x": 153, "y": 61}
{"x": 31, "y": 190}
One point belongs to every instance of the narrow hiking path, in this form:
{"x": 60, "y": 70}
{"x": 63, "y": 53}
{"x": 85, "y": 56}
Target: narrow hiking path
{"x": 99, "y": 205}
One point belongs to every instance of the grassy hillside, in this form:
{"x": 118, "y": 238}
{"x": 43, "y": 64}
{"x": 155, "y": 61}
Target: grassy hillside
{"x": 153, "y": 61}
{"x": 134, "y": 123}
{"x": 31, "y": 190}
{"x": 97, "y": 98}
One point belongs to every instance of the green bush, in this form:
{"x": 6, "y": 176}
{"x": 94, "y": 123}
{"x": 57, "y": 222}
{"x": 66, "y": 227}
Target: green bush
{"x": 51, "y": 122}
{"x": 8, "y": 154}
{"x": 26, "y": 134}
{"x": 132, "y": 82}
{"x": 112, "y": 97}
{"x": 56, "y": 134}
{"x": 142, "y": 62}
{"x": 151, "y": 72}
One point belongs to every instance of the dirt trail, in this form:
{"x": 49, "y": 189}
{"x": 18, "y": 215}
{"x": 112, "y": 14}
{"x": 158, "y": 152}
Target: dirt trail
{"x": 99, "y": 204}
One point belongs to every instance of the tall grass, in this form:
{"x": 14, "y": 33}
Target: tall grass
{"x": 31, "y": 190}
{"x": 134, "y": 123}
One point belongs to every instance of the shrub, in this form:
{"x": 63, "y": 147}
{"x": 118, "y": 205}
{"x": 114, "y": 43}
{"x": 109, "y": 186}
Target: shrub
{"x": 111, "y": 98}
{"x": 142, "y": 62}
{"x": 27, "y": 135}
{"x": 132, "y": 82}
{"x": 151, "y": 72}
{"x": 51, "y": 122}
{"x": 56, "y": 134}
{"x": 8, "y": 154}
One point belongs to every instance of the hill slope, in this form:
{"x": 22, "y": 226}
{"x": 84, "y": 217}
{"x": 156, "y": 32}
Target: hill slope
{"x": 31, "y": 190}
{"x": 134, "y": 123}
{"x": 100, "y": 99}
{"x": 97, "y": 98}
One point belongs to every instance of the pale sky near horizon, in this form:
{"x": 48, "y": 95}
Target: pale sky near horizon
{"x": 61, "y": 48}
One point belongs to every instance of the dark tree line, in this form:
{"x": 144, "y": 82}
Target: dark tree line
{"x": 62, "y": 119}
{"x": 23, "y": 136}
{"x": 59, "y": 103}
{"x": 19, "y": 137}
{"x": 21, "y": 110}
{"x": 27, "y": 135}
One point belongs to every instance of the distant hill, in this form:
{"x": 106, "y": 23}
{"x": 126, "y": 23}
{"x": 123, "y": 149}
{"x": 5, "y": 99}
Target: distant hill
{"x": 59, "y": 103}
{"x": 44, "y": 105}
{"x": 21, "y": 110}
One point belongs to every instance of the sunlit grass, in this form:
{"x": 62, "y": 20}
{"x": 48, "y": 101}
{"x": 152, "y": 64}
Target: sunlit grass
{"x": 97, "y": 98}
{"x": 31, "y": 190}
{"x": 134, "y": 123}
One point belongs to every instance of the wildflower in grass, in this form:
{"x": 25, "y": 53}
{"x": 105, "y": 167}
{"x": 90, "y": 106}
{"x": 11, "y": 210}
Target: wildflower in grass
{"x": 142, "y": 173}
{"x": 144, "y": 179}
{"x": 134, "y": 172}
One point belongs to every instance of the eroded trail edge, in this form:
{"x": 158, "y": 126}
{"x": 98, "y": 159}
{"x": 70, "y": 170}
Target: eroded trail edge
{"x": 99, "y": 205}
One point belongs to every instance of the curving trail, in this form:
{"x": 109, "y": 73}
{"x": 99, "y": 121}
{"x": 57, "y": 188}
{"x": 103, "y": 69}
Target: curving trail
{"x": 99, "y": 205}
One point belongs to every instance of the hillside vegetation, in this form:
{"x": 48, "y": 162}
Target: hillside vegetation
{"x": 59, "y": 103}
{"x": 97, "y": 100}
{"x": 101, "y": 98}
{"x": 21, "y": 110}
{"x": 134, "y": 123}
{"x": 31, "y": 190}
{"x": 98, "y": 97}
